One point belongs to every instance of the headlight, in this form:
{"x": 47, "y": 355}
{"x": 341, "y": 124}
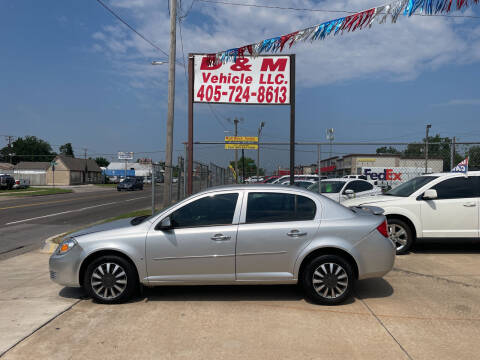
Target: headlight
{"x": 66, "y": 245}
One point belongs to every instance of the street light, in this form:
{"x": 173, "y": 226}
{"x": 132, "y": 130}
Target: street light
{"x": 159, "y": 62}
{"x": 262, "y": 124}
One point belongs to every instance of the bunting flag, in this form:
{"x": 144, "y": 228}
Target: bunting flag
{"x": 357, "y": 21}
{"x": 462, "y": 167}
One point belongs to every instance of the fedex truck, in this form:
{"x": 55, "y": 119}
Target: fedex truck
{"x": 391, "y": 176}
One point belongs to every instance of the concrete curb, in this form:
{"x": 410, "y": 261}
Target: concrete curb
{"x": 49, "y": 247}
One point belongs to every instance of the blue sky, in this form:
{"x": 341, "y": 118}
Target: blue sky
{"x": 72, "y": 73}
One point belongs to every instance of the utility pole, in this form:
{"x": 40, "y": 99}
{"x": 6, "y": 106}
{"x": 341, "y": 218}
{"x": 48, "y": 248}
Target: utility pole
{"x": 243, "y": 166}
{"x": 9, "y": 139}
{"x": 167, "y": 189}
{"x": 236, "y": 121}
{"x": 452, "y": 153}
{"x": 262, "y": 124}
{"x": 426, "y": 147}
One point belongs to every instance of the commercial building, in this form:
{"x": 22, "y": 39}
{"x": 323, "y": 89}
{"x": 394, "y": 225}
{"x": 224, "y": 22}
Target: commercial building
{"x": 73, "y": 171}
{"x": 118, "y": 170}
{"x": 33, "y": 171}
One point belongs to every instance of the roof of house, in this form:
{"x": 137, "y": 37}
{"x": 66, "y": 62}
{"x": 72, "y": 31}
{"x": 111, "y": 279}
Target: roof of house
{"x": 6, "y": 166}
{"x": 32, "y": 165}
{"x": 76, "y": 164}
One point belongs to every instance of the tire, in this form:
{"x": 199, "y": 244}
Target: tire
{"x": 116, "y": 288}
{"x": 401, "y": 234}
{"x": 337, "y": 287}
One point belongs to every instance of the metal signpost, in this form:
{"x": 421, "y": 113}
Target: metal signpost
{"x": 125, "y": 156}
{"x": 260, "y": 80}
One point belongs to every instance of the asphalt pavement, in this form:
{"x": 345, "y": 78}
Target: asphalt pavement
{"x": 26, "y": 222}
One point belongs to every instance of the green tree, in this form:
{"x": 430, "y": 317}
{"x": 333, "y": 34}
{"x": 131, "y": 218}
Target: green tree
{"x": 387, "y": 150}
{"x": 101, "y": 161}
{"x": 438, "y": 147}
{"x": 250, "y": 167}
{"x": 473, "y": 158}
{"x": 29, "y": 148}
{"x": 67, "y": 150}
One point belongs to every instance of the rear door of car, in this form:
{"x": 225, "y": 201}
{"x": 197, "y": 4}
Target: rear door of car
{"x": 274, "y": 227}
{"x": 455, "y": 213}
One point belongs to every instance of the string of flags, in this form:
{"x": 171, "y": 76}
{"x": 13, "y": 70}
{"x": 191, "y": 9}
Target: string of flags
{"x": 357, "y": 21}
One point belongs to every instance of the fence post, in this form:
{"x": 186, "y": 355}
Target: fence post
{"x": 153, "y": 188}
{"x": 319, "y": 167}
{"x": 179, "y": 176}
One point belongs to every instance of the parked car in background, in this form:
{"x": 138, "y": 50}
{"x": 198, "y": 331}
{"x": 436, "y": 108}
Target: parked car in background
{"x": 256, "y": 234}
{"x": 296, "y": 177}
{"x": 6, "y": 181}
{"x": 342, "y": 189}
{"x": 441, "y": 205}
{"x": 21, "y": 184}
{"x": 363, "y": 177}
{"x": 131, "y": 183}
{"x": 300, "y": 183}
{"x": 253, "y": 179}
{"x": 269, "y": 179}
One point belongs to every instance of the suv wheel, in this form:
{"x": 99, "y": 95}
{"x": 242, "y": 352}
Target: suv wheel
{"x": 401, "y": 234}
{"x": 328, "y": 280}
{"x": 110, "y": 279}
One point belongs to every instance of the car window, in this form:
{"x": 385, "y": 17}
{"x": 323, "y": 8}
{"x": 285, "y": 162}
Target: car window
{"x": 275, "y": 207}
{"x": 358, "y": 186}
{"x": 331, "y": 186}
{"x": 409, "y": 187}
{"x": 207, "y": 211}
{"x": 458, "y": 187}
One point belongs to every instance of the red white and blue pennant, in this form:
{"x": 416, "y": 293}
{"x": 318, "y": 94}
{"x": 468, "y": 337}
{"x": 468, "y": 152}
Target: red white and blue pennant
{"x": 357, "y": 21}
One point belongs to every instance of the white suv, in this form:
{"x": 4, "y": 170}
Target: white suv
{"x": 442, "y": 205}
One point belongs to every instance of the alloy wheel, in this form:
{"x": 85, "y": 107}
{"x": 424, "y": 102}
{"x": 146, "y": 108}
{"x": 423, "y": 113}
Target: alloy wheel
{"x": 398, "y": 235}
{"x": 109, "y": 280}
{"x": 330, "y": 280}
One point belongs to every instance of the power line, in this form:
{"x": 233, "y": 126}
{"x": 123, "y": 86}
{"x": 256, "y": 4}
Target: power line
{"x": 143, "y": 37}
{"x": 219, "y": 2}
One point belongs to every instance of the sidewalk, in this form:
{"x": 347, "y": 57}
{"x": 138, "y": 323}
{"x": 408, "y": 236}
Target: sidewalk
{"x": 28, "y": 298}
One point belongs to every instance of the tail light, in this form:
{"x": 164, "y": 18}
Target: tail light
{"x": 383, "y": 229}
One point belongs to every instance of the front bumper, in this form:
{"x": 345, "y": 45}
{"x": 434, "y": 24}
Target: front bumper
{"x": 64, "y": 269}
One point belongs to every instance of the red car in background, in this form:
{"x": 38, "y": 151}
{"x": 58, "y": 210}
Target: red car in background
{"x": 269, "y": 179}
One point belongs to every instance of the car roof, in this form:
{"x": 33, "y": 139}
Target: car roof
{"x": 338, "y": 179}
{"x": 254, "y": 186}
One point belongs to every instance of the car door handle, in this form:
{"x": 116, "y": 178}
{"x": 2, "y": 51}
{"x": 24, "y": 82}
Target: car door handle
{"x": 296, "y": 233}
{"x": 470, "y": 204}
{"x": 220, "y": 237}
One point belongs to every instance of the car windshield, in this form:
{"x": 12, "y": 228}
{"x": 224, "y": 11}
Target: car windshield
{"x": 271, "y": 180}
{"x": 128, "y": 180}
{"x": 408, "y": 188}
{"x": 328, "y": 186}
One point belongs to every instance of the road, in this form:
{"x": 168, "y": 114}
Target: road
{"x": 26, "y": 222}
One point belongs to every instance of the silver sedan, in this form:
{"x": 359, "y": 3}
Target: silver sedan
{"x": 260, "y": 234}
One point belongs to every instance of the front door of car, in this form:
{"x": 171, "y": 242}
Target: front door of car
{"x": 274, "y": 228}
{"x": 200, "y": 245}
{"x": 455, "y": 212}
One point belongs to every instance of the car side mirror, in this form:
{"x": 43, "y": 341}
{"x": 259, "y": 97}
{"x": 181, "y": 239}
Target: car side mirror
{"x": 165, "y": 224}
{"x": 350, "y": 193}
{"x": 430, "y": 194}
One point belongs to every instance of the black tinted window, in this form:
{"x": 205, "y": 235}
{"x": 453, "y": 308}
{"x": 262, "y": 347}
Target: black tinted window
{"x": 273, "y": 207}
{"x": 458, "y": 187}
{"x": 358, "y": 186}
{"x": 209, "y": 210}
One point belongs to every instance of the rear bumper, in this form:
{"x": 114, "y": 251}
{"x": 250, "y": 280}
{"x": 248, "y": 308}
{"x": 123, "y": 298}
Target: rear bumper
{"x": 375, "y": 255}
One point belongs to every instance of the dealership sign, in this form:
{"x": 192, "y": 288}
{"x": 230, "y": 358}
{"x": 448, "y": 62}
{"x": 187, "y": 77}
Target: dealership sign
{"x": 125, "y": 155}
{"x": 249, "y": 80}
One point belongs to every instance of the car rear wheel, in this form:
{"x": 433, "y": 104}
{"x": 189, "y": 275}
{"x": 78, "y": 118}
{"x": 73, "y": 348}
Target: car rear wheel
{"x": 110, "y": 279}
{"x": 401, "y": 234}
{"x": 328, "y": 280}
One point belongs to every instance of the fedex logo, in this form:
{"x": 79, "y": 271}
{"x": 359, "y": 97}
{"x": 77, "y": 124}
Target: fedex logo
{"x": 387, "y": 174}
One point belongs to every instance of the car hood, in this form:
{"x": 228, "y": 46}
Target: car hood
{"x": 370, "y": 200}
{"x": 118, "y": 224}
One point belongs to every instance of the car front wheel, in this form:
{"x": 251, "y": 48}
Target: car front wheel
{"x": 110, "y": 279}
{"x": 401, "y": 235}
{"x": 328, "y": 280}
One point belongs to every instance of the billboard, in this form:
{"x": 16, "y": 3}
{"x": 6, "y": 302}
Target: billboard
{"x": 249, "y": 80}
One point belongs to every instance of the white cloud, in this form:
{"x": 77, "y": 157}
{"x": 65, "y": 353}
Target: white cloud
{"x": 396, "y": 52}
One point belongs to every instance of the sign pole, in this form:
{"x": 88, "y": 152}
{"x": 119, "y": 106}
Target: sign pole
{"x": 292, "y": 119}
{"x": 190, "y": 125}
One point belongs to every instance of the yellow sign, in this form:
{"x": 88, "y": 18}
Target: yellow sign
{"x": 241, "y": 138}
{"x": 241, "y": 146}
{"x": 366, "y": 159}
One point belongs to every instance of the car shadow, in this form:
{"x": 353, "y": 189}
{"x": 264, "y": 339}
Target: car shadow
{"x": 447, "y": 246}
{"x": 364, "y": 289}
